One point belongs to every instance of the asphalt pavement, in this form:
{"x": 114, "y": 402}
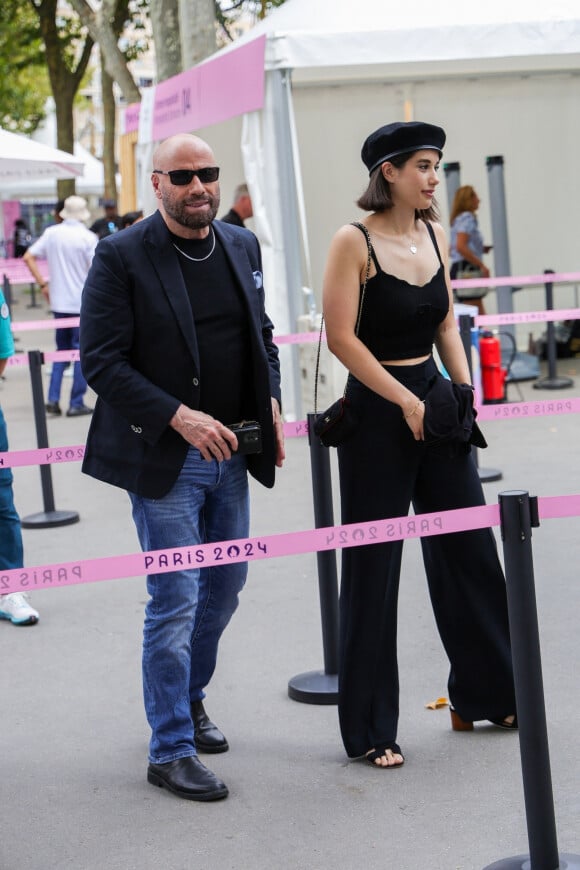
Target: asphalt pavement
{"x": 74, "y": 736}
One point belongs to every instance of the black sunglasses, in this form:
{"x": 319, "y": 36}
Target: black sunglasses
{"x": 181, "y": 177}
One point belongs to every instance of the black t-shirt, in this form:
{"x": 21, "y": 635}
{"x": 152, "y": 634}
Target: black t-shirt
{"x": 222, "y": 330}
{"x": 104, "y": 227}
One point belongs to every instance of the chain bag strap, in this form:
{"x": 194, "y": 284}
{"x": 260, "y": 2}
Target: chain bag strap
{"x": 339, "y": 421}
{"x": 358, "y": 319}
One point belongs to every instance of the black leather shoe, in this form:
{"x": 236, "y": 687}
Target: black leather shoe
{"x": 187, "y": 778}
{"x": 79, "y": 411}
{"x": 53, "y": 408}
{"x": 207, "y": 736}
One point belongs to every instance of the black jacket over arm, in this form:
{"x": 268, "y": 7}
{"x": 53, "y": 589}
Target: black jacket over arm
{"x": 139, "y": 353}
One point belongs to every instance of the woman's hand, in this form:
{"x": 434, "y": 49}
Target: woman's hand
{"x": 413, "y": 417}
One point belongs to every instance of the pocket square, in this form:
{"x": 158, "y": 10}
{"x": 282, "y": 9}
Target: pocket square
{"x": 258, "y": 281}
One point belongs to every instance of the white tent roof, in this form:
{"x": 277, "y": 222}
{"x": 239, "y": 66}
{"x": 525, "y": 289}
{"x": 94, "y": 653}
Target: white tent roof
{"x": 92, "y": 182}
{"x": 22, "y": 158}
{"x": 373, "y": 38}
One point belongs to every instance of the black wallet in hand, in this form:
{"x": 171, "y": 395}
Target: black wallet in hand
{"x": 249, "y": 435}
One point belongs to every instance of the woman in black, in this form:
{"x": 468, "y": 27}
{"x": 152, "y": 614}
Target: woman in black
{"x": 386, "y": 465}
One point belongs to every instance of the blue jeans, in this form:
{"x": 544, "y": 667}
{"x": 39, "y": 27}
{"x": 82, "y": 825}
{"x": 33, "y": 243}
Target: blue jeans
{"x": 11, "y": 555}
{"x": 67, "y": 339}
{"x": 188, "y": 609}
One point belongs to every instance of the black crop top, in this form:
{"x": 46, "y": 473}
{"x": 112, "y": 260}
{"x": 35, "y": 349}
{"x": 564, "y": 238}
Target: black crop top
{"x": 398, "y": 319}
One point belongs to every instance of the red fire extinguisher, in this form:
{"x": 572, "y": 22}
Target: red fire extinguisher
{"x": 492, "y": 374}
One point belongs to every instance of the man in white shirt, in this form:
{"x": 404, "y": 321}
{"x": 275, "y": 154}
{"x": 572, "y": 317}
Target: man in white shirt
{"x": 68, "y": 248}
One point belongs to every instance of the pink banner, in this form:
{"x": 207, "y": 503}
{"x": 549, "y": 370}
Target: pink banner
{"x": 211, "y": 92}
{"x": 131, "y": 118}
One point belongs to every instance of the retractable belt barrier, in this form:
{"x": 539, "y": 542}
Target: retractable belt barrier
{"x": 270, "y": 546}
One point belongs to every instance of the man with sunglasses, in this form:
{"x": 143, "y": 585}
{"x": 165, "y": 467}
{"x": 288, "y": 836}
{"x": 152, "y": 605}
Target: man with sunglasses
{"x": 177, "y": 345}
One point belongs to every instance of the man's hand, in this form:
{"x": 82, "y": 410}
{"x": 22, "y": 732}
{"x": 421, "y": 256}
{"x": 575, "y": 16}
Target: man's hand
{"x": 212, "y": 438}
{"x": 279, "y": 433}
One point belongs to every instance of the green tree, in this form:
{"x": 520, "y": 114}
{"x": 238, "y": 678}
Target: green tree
{"x": 24, "y": 84}
{"x": 68, "y": 49}
{"x": 227, "y": 11}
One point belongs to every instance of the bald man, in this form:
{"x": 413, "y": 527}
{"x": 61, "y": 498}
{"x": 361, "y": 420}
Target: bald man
{"x": 176, "y": 342}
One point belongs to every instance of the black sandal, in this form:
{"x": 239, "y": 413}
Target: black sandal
{"x": 459, "y": 724}
{"x": 509, "y": 726}
{"x": 374, "y": 754}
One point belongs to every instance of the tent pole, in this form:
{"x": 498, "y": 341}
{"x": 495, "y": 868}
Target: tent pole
{"x": 282, "y": 97}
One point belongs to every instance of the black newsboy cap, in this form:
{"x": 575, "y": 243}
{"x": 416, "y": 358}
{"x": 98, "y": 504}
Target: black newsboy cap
{"x": 400, "y": 138}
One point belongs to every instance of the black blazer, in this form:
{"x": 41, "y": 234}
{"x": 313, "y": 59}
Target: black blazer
{"x": 139, "y": 353}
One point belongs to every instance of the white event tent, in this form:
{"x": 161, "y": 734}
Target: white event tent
{"x": 503, "y": 78}
{"x": 21, "y": 159}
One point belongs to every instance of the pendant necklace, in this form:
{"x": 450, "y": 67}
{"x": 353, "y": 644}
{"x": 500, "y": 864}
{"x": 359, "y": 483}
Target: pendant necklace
{"x": 200, "y": 259}
{"x": 413, "y": 247}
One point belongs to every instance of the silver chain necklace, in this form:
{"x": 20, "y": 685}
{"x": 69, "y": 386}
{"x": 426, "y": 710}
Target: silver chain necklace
{"x": 198, "y": 259}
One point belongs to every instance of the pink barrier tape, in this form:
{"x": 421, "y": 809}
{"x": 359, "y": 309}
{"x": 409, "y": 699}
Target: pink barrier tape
{"x": 514, "y": 410}
{"x": 299, "y": 429}
{"x": 270, "y": 546}
{"x": 247, "y": 549}
{"x": 296, "y": 429}
{"x": 76, "y": 452}
{"x": 528, "y": 316}
{"x": 310, "y": 337}
{"x": 299, "y": 338}
{"x": 21, "y": 359}
{"x": 42, "y": 456}
{"x": 518, "y": 280}
{"x": 56, "y": 323}
{"x": 17, "y": 272}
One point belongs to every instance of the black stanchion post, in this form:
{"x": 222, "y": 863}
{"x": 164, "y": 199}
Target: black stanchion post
{"x": 552, "y": 382}
{"x": 49, "y": 517}
{"x": 518, "y": 515}
{"x": 486, "y": 475}
{"x": 7, "y": 290}
{"x": 33, "y": 302}
{"x": 321, "y": 687}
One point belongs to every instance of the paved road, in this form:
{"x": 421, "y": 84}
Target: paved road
{"x": 74, "y": 736}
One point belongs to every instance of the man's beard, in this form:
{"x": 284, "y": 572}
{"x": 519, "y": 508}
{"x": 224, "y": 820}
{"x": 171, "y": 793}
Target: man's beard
{"x": 192, "y": 220}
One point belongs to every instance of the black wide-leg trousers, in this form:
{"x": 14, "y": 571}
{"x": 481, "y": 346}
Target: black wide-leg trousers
{"x": 383, "y": 471}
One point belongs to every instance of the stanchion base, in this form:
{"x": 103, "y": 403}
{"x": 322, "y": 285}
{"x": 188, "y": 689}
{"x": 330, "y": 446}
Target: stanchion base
{"x": 553, "y": 383}
{"x": 46, "y": 519}
{"x": 522, "y": 862}
{"x": 486, "y": 475}
{"x": 314, "y": 687}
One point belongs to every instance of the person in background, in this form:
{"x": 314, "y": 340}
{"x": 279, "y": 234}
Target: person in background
{"x": 68, "y": 248}
{"x": 22, "y": 237}
{"x": 130, "y": 218}
{"x": 110, "y": 223}
{"x": 386, "y": 465}
{"x": 57, "y": 210}
{"x": 241, "y": 209}
{"x": 14, "y": 606}
{"x": 176, "y": 342}
{"x": 467, "y": 247}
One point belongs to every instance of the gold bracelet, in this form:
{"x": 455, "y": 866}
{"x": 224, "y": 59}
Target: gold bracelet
{"x": 414, "y": 411}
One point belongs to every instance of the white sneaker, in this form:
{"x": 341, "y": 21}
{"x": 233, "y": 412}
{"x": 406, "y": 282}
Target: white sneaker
{"x": 16, "y": 608}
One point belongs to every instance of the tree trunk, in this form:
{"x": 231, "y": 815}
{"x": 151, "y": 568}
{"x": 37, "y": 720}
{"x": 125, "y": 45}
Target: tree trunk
{"x": 99, "y": 23}
{"x": 198, "y": 30}
{"x": 166, "y": 26}
{"x": 109, "y": 123}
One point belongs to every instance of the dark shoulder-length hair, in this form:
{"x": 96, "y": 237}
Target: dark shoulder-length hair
{"x": 377, "y": 196}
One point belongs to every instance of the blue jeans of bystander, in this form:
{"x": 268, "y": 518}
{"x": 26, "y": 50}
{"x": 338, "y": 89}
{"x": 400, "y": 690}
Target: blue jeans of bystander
{"x": 11, "y": 554}
{"x": 188, "y": 609}
{"x": 67, "y": 339}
